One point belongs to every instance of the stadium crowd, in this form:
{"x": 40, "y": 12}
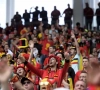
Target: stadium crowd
{"x": 39, "y": 56}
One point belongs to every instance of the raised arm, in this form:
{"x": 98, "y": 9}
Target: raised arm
{"x": 31, "y": 45}
{"x": 76, "y": 43}
{"x": 5, "y": 75}
{"x": 64, "y": 70}
{"x": 32, "y": 68}
{"x": 35, "y": 70}
{"x": 15, "y": 44}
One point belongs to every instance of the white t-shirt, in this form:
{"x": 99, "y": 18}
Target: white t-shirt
{"x": 10, "y": 52}
{"x": 75, "y": 66}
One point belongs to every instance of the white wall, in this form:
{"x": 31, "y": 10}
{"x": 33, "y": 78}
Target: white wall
{"x": 2, "y": 13}
{"x": 78, "y": 12}
{"x": 10, "y": 4}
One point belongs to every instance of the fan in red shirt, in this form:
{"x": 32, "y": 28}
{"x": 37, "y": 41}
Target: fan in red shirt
{"x": 54, "y": 74}
{"x": 85, "y": 65}
{"x": 51, "y": 52}
{"x": 46, "y": 42}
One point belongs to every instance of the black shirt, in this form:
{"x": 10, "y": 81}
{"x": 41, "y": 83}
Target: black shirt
{"x": 26, "y": 16}
{"x": 17, "y": 18}
{"x": 35, "y": 15}
{"x": 43, "y": 15}
{"x": 39, "y": 47}
{"x": 71, "y": 73}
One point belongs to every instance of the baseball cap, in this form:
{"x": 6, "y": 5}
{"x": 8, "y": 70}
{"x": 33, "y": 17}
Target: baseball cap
{"x": 26, "y": 78}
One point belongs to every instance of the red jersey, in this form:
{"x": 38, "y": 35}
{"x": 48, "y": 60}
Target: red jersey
{"x": 98, "y": 45}
{"x": 77, "y": 76}
{"x": 53, "y": 76}
{"x": 46, "y": 44}
{"x": 46, "y": 61}
{"x": 91, "y": 87}
{"x": 84, "y": 49}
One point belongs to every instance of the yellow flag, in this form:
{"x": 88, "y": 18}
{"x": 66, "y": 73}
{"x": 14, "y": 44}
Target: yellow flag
{"x": 81, "y": 63}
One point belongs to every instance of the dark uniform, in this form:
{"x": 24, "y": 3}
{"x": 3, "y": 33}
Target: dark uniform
{"x": 26, "y": 17}
{"x": 98, "y": 16}
{"x": 43, "y": 15}
{"x": 17, "y": 19}
{"x": 88, "y": 13}
{"x": 55, "y": 16}
{"x": 35, "y": 15}
{"x": 68, "y": 15}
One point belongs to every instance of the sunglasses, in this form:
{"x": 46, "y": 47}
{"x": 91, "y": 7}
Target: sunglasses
{"x": 28, "y": 82}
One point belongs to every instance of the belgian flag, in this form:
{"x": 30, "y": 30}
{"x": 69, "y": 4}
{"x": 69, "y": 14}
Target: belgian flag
{"x": 23, "y": 43}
